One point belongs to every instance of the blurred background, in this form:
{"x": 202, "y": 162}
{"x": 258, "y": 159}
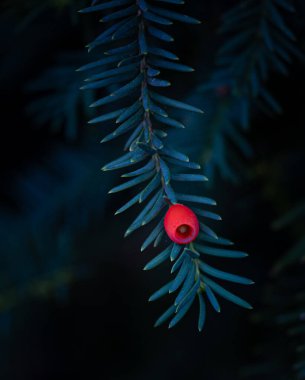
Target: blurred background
{"x": 73, "y": 295}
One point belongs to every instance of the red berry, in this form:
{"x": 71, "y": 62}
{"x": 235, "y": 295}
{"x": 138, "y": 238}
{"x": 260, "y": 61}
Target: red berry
{"x": 181, "y": 224}
{"x": 223, "y": 90}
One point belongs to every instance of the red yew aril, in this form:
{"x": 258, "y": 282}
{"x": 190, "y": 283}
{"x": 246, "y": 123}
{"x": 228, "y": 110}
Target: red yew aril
{"x": 181, "y": 224}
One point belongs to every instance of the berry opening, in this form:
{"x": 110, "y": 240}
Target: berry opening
{"x": 184, "y": 234}
{"x": 184, "y": 230}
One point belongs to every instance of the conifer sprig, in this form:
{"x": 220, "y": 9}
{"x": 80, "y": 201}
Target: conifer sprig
{"x": 258, "y": 41}
{"x": 130, "y": 67}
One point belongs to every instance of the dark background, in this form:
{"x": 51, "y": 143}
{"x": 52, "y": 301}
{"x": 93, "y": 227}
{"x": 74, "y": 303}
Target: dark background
{"x": 73, "y": 296}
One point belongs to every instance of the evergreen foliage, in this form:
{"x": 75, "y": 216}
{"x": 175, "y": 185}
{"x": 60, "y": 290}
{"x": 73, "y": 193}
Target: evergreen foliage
{"x": 57, "y": 102}
{"x": 58, "y": 219}
{"x": 133, "y": 59}
{"x": 55, "y": 225}
{"x": 258, "y": 42}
